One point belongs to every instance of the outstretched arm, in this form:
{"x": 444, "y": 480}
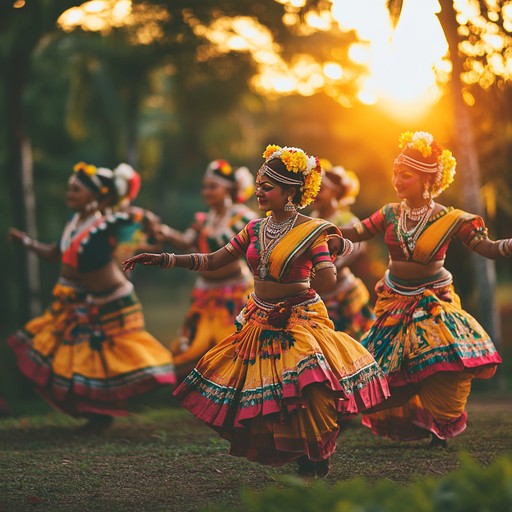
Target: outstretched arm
{"x": 493, "y": 249}
{"x": 193, "y": 261}
{"x": 49, "y": 252}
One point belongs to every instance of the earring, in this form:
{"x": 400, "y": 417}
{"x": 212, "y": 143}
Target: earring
{"x": 289, "y": 206}
{"x": 426, "y": 193}
{"x": 93, "y": 205}
{"x": 228, "y": 202}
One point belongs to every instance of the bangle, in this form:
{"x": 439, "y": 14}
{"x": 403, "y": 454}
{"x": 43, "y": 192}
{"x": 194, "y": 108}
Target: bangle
{"x": 348, "y": 247}
{"x": 168, "y": 260}
{"x": 199, "y": 261}
{"x": 505, "y": 248}
{"x": 26, "y": 241}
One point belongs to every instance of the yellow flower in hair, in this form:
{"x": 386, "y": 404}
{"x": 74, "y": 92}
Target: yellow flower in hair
{"x": 86, "y": 168}
{"x": 294, "y": 161}
{"x": 420, "y": 141}
{"x": 447, "y": 164}
{"x": 270, "y": 150}
{"x": 224, "y": 167}
{"x": 404, "y": 139}
{"x": 325, "y": 164}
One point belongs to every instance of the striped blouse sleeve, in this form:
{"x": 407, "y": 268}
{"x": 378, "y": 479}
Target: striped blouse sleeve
{"x": 320, "y": 255}
{"x": 239, "y": 244}
{"x": 376, "y": 223}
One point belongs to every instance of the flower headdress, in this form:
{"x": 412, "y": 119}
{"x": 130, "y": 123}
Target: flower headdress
{"x": 222, "y": 172}
{"x": 346, "y": 183}
{"x": 427, "y": 156}
{"x": 127, "y": 182}
{"x": 297, "y": 162}
{"x": 97, "y": 179}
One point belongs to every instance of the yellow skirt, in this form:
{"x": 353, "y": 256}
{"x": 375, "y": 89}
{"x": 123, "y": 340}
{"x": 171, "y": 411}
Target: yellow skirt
{"x": 279, "y": 386}
{"x": 428, "y": 345}
{"x": 89, "y": 358}
{"x": 210, "y": 318}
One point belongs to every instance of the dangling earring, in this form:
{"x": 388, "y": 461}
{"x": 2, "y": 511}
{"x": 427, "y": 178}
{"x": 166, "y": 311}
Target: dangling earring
{"x": 289, "y": 206}
{"x": 93, "y": 205}
{"x": 426, "y": 193}
{"x": 228, "y": 202}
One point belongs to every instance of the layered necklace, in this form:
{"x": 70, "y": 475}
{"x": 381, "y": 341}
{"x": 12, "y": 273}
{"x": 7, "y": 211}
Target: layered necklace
{"x": 271, "y": 232}
{"x": 408, "y": 237}
{"x": 76, "y": 226}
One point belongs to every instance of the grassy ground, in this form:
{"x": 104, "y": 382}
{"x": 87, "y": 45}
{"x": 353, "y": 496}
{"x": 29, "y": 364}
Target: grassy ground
{"x": 161, "y": 458}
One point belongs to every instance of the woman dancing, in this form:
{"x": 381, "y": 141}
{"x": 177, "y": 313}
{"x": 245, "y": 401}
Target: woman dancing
{"x": 348, "y": 304}
{"x": 278, "y": 388}
{"x": 89, "y": 352}
{"x": 219, "y": 294}
{"x": 428, "y": 346}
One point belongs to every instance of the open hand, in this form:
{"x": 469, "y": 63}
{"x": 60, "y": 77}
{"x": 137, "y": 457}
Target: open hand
{"x": 15, "y": 235}
{"x": 145, "y": 258}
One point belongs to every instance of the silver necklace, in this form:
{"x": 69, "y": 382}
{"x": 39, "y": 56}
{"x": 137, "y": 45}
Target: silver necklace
{"x": 415, "y": 214}
{"x": 408, "y": 237}
{"x": 271, "y": 233}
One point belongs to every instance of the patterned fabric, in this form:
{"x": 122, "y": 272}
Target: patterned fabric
{"x": 210, "y": 318}
{"x": 348, "y": 304}
{"x": 279, "y": 386}
{"x": 420, "y": 334}
{"x": 301, "y": 249}
{"x": 86, "y": 358}
{"x": 462, "y": 225}
{"x": 90, "y": 247}
{"x": 212, "y": 235}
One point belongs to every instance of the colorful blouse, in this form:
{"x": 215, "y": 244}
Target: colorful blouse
{"x": 302, "y": 249}
{"x": 214, "y": 234}
{"x": 439, "y": 231}
{"x": 90, "y": 246}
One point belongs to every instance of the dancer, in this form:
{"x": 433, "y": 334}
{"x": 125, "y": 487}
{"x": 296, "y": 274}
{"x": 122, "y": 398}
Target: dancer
{"x": 348, "y": 304}
{"x": 220, "y": 294}
{"x": 88, "y": 353}
{"x": 428, "y": 346}
{"x": 139, "y": 234}
{"x": 279, "y": 386}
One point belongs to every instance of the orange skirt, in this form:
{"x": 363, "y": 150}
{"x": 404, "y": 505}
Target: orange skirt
{"x": 89, "y": 358}
{"x": 279, "y": 386}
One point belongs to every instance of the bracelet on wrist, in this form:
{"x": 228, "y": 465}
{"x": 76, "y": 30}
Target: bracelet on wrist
{"x": 26, "y": 241}
{"x": 168, "y": 260}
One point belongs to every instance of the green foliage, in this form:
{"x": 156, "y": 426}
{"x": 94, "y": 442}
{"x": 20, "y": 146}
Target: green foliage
{"x": 472, "y": 488}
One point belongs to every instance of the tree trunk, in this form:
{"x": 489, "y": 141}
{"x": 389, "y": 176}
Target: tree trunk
{"x": 469, "y": 173}
{"x": 19, "y": 163}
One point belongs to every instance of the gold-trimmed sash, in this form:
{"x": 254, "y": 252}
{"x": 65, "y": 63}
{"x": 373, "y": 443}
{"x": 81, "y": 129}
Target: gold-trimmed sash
{"x": 294, "y": 243}
{"x": 437, "y": 234}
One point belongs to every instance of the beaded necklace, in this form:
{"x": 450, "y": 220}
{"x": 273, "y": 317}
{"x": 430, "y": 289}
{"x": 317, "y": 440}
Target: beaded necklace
{"x": 407, "y": 238}
{"x": 76, "y": 226}
{"x": 271, "y": 233}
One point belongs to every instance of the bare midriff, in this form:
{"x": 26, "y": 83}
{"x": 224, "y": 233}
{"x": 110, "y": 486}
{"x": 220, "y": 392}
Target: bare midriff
{"x": 103, "y": 280}
{"x": 413, "y": 271}
{"x": 274, "y": 292}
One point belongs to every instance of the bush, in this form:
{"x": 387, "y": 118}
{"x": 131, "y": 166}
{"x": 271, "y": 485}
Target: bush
{"x": 472, "y": 488}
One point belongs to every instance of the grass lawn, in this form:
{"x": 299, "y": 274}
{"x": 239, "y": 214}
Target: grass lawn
{"x": 162, "y": 459}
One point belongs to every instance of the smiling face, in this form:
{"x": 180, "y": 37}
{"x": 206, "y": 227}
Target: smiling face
{"x": 408, "y": 184}
{"x": 78, "y": 196}
{"x": 270, "y": 195}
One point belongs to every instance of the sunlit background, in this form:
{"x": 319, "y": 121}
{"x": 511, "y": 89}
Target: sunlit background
{"x": 405, "y": 65}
